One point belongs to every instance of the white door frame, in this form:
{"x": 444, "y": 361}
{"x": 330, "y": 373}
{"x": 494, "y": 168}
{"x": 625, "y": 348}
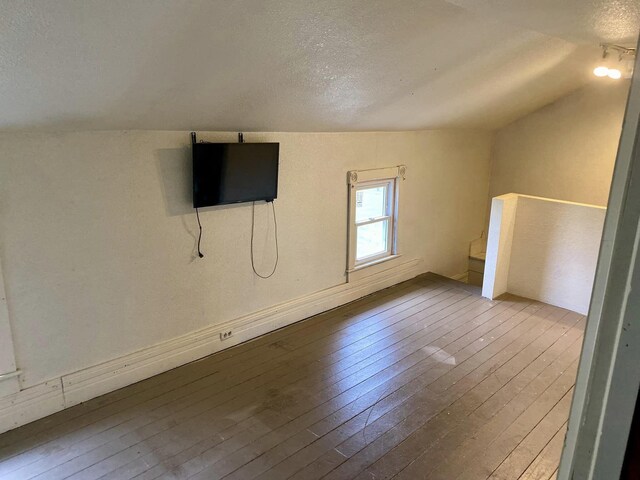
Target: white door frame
{"x": 609, "y": 372}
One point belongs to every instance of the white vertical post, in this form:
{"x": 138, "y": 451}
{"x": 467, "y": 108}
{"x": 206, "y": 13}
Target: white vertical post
{"x": 501, "y": 224}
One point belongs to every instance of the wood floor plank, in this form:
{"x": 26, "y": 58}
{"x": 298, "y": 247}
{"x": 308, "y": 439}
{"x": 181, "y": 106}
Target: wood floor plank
{"x": 547, "y": 461}
{"x": 462, "y": 454}
{"x": 422, "y": 380}
{"x": 457, "y": 453}
{"x": 520, "y": 457}
{"x": 354, "y": 392}
{"x": 392, "y": 395}
{"x": 485, "y": 398}
{"x": 502, "y": 460}
{"x": 230, "y": 464}
{"x": 391, "y": 401}
{"x": 375, "y": 447}
{"x": 406, "y": 336}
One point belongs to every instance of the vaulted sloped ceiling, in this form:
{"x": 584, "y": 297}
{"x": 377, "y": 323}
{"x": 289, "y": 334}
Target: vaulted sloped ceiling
{"x": 296, "y": 65}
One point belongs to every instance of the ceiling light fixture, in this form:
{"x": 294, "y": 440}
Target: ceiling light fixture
{"x": 615, "y": 68}
{"x": 601, "y": 71}
{"x": 614, "y": 73}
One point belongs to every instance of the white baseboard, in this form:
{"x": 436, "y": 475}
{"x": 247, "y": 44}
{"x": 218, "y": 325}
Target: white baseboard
{"x": 47, "y": 398}
{"x": 9, "y": 383}
{"x": 31, "y": 404}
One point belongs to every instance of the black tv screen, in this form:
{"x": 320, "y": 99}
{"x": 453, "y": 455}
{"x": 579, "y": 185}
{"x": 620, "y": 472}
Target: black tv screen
{"x": 226, "y": 173}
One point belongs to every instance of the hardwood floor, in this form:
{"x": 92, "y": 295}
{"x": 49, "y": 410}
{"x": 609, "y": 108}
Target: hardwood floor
{"x": 422, "y": 380}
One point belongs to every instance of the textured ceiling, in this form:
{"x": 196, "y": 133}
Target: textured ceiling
{"x": 279, "y": 65}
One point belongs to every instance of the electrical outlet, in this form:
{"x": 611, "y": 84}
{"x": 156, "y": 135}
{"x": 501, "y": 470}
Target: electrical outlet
{"x": 226, "y": 334}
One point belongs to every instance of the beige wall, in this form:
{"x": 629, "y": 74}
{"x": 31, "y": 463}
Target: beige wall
{"x": 565, "y": 150}
{"x": 97, "y": 233}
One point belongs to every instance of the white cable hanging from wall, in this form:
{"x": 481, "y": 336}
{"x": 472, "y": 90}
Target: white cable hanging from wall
{"x": 616, "y": 63}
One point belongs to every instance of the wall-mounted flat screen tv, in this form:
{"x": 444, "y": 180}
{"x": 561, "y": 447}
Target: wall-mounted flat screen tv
{"x": 225, "y": 173}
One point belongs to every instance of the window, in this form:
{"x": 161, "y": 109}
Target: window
{"x": 373, "y": 202}
{"x": 373, "y": 215}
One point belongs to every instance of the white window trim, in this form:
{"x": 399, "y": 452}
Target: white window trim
{"x": 373, "y": 177}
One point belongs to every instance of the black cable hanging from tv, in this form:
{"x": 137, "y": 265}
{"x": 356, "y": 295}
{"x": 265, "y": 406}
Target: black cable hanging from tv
{"x": 200, "y": 254}
{"x": 275, "y": 225}
{"x": 253, "y": 226}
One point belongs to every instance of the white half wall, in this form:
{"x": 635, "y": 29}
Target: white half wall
{"x": 553, "y": 251}
{"x": 97, "y": 243}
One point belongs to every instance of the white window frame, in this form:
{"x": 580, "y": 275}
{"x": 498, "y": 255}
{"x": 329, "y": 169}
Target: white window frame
{"x": 358, "y": 180}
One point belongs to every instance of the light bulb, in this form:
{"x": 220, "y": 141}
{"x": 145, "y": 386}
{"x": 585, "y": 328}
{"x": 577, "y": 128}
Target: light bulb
{"x": 614, "y": 73}
{"x": 601, "y": 71}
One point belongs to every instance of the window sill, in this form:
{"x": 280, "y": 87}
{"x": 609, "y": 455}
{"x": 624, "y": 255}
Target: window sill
{"x": 374, "y": 262}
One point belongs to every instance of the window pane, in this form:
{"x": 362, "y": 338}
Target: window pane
{"x": 372, "y": 239}
{"x": 371, "y": 203}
